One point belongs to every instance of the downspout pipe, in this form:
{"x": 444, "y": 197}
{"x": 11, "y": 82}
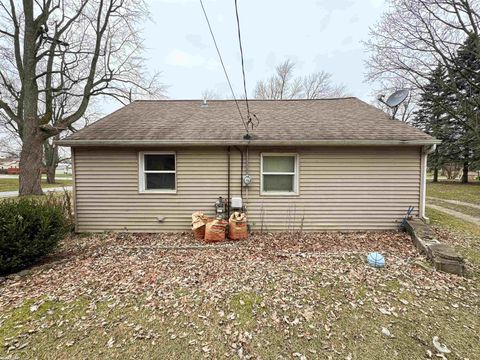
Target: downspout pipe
{"x": 228, "y": 177}
{"x": 428, "y": 149}
{"x": 241, "y": 170}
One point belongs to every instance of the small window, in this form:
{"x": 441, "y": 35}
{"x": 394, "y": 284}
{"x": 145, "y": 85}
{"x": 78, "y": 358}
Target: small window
{"x": 157, "y": 172}
{"x": 279, "y": 174}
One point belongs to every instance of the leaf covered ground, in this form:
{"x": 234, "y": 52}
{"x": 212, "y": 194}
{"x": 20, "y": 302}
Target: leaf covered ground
{"x": 275, "y": 296}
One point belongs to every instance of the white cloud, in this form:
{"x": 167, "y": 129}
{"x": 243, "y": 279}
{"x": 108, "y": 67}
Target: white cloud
{"x": 178, "y": 57}
{"x": 195, "y": 40}
{"x": 181, "y": 58}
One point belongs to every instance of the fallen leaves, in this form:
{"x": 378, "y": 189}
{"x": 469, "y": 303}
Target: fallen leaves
{"x": 298, "y": 285}
{"x": 110, "y": 342}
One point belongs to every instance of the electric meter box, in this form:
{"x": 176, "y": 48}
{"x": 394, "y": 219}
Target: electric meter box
{"x": 236, "y": 202}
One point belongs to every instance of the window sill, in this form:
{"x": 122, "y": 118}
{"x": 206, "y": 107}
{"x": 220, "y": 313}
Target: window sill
{"x": 278, "y": 193}
{"x": 157, "y": 191}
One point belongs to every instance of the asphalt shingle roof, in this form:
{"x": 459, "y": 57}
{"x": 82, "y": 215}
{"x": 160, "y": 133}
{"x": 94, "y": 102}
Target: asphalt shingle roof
{"x": 343, "y": 119}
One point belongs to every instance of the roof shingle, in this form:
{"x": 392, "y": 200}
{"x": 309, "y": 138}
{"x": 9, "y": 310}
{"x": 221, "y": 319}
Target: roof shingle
{"x": 294, "y": 121}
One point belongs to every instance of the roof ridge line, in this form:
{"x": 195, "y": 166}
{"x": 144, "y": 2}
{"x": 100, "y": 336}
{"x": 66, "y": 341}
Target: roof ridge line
{"x": 230, "y": 100}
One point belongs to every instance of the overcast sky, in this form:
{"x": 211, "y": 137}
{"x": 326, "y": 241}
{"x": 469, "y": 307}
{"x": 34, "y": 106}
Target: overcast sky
{"x": 316, "y": 34}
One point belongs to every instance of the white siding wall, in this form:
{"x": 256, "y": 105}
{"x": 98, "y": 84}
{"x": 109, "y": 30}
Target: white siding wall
{"x": 341, "y": 188}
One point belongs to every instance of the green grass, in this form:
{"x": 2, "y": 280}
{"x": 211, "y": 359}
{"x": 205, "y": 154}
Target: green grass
{"x": 455, "y": 191}
{"x": 12, "y": 184}
{"x": 468, "y": 210}
{"x": 468, "y": 233}
{"x": 452, "y": 223}
{"x": 470, "y": 250}
{"x": 60, "y": 176}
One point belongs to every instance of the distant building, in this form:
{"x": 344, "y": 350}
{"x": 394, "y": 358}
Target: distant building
{"x": 8, "y": 162}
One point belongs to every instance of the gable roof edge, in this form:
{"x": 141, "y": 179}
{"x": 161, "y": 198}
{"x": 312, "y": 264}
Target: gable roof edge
{"x": 126, "y": 143}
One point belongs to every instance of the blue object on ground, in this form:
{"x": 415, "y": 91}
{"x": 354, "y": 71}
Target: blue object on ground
{"x": 376, "y": 260}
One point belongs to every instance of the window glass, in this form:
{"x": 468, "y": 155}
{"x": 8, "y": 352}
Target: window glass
{"x": 160, "y": 181}
{"x": 158, "y": 172}
{"x": 279, "y": 173}
{"x": 280, "y": 183}
{"x": 279, "y": 164}
{"x": 158, "y": 162}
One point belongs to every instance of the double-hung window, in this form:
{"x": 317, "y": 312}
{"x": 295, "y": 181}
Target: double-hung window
{"x": 279, "y": 174}
{"x": 157, "y": 172}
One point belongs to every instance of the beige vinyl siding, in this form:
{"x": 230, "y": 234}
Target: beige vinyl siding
{"x": 340, "y": 188}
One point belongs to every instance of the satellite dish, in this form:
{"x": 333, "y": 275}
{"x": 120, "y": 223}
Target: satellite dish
{"x": 395, "y": 100}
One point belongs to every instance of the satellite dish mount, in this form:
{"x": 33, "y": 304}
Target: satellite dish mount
{"x": 394, "y": 100}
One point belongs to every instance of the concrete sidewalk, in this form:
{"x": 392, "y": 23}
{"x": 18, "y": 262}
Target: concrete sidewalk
{"x": 458, "y": 215}
{"x": 7, "y": 176}
{"x": 7, "y": 194}
{"x": 455, "y": 202}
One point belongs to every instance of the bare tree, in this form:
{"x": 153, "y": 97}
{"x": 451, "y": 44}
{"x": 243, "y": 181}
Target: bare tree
{"x": 66, "y": 48}
{"x": 319, "y": 85}
{"x": 52, "y": 153}
{"x": 9, "y": 145}
{"x": 413, "y": 37}
{"x": 210, "y": 94}
{"x": 284, "y": 85}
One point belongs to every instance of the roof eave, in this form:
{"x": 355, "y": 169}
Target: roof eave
{"x": 150, "y": 143}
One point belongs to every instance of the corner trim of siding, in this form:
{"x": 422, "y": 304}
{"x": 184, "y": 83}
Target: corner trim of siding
{"x": 74, "y": 191}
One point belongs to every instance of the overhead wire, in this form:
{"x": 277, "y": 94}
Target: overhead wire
{"x": 224, "y": 68}
{"x": 243, "y": 62}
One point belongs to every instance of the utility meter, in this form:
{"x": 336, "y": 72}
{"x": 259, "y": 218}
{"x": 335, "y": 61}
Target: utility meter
{"x": 247, "y": 180}
{"x": 220, "y": 208}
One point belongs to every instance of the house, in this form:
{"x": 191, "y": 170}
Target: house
{"x": 8, "y": 162}
{"x": 330, "y": 164}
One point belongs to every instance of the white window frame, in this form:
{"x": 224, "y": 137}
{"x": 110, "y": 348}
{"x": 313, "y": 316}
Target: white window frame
{"x": 142, "y": 172}
{"x": 296, "y": 175}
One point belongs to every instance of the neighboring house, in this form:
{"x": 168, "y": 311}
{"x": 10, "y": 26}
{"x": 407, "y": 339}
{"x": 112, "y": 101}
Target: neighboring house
{"x": 331, "y": 164}
{"x": 8, "y": 162}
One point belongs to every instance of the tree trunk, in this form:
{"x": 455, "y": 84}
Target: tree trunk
{"x": 31, "y": 162}
{"x": 435, "y": 166}
{"x": 32, "y": 138}
{"x": 465, "y": 172}
{"x": 465, "y": 166}
{"x": 51, "y": 159}
{"x": 51, "y": 174}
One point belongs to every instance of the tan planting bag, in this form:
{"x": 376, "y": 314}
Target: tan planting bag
{"x": 215, "y": 230}
{"x": 237, "y": 226}
{"x": 198, "y": 225}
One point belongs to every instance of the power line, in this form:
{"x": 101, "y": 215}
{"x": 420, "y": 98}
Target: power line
{"x": 225, "y": 70}
{"x": 249, "y": 118}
